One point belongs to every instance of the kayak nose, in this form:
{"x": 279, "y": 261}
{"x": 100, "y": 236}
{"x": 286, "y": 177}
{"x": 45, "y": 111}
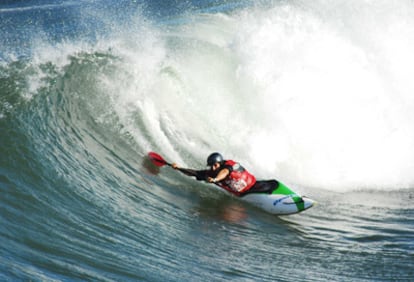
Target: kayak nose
{"x": 307, "y": 202}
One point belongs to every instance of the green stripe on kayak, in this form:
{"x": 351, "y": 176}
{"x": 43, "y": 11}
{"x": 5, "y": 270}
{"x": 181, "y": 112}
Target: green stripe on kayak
{"x": 282, "y": 189}
{"x": 300, "y": 204}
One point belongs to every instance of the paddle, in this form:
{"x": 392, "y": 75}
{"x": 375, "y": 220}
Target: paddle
{"x": 157, "y": 159}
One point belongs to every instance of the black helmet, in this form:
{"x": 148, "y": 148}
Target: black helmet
{"x": 214, "y": 158}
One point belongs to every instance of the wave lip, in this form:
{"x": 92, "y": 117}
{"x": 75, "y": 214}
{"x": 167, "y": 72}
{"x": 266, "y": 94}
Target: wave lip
{"x": 37, "y": 7}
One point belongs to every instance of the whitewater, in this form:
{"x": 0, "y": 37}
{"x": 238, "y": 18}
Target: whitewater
{"x": 315, "y": 94}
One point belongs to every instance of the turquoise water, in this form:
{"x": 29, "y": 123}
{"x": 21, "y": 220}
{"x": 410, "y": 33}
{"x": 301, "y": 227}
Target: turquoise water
{"x": 317, "y": 95}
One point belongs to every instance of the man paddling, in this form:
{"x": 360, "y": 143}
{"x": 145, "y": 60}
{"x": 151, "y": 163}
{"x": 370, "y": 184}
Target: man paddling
{"x": 230, "y": 175}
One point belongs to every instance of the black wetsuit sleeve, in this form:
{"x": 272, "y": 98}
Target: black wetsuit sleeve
{"x": 201, "y": 175}
{"x": 198, "y": 174}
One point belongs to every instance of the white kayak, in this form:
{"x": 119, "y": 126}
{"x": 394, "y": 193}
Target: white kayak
{"x": 282, "y": 201}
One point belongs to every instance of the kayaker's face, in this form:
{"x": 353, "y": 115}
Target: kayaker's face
{"x": 215, "y": 166}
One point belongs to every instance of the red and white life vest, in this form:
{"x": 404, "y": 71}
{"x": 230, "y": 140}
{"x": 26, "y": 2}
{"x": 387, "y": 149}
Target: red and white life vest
{"x": 239, "y": 180}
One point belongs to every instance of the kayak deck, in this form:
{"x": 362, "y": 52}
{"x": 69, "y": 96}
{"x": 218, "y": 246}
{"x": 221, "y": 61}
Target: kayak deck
{"x": 281, "y": 201}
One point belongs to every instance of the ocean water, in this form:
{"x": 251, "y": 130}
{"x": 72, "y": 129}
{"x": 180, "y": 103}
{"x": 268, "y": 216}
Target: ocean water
{"x": 317, "y": 94}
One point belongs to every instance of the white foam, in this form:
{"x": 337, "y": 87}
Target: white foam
{"x": 291, "y": 91}
{"x": 315, "y": 93}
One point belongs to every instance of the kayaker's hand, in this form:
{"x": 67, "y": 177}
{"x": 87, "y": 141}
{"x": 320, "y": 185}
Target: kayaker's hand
{"x": 211, "y": 179}
{"x": 174, "y": 166}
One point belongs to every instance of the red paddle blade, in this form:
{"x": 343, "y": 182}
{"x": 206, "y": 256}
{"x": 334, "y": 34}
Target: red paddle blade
{"x": 156, "y": 159}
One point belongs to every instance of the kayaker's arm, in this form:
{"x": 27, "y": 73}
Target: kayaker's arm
{"x": 189, "y": 172}
{"x": 203, "y": 175}
{"x": 220, "y": 176}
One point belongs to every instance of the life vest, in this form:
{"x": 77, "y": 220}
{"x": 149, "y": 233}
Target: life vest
{"x": 239, "y": 180}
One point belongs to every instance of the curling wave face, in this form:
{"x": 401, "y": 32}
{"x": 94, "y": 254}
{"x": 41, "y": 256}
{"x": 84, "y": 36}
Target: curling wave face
{"x": 288, "y": 89}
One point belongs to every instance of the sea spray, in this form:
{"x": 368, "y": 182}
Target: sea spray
{"x": 290, "y": 91}
{"x": 312, "y": 93}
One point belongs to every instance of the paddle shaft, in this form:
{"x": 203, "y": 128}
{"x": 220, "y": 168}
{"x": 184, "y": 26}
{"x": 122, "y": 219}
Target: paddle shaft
{"x": 159, "y": 161}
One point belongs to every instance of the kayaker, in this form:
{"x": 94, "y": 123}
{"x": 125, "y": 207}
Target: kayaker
{"x": 231, "y": 176}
